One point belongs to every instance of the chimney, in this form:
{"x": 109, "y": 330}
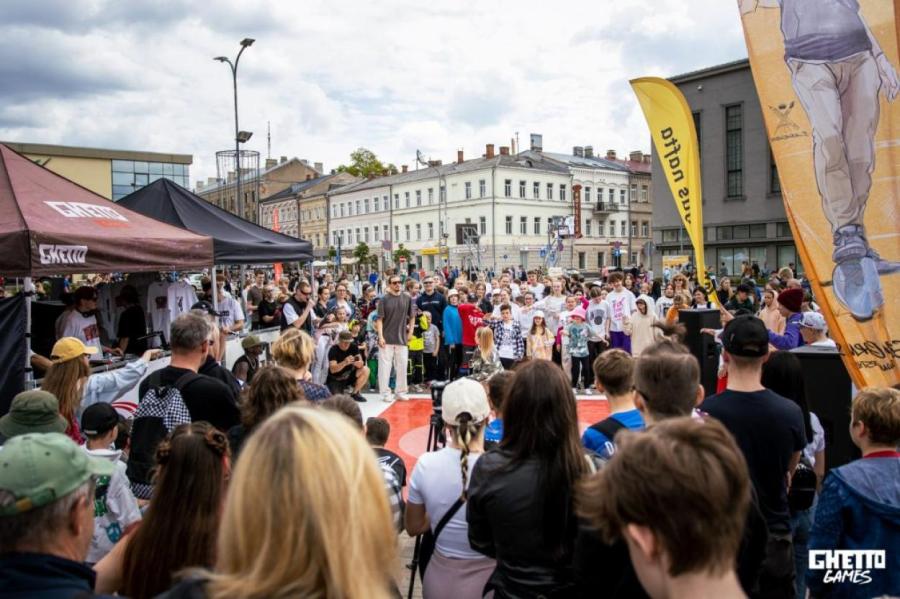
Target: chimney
{"x": 210, "y": 181}
{"x": 578, "y": 151}
{"x": 512, "y": 144}
{"x": 636, "y": 156}
{"x": 611, "y": 154}
{"x": 405, "y": 168}
{"x": 489, "y": 151}
{"x": 504, "y": 150}
{"x": 459, "y": 156}
{"x": 200, "y": 185}
{"x": 270, "y": 162}
{"x": 320, "y": 168}
{"x": 647, "y": 158}
{"x": 588, "y": 151}
{"x": 537, "y": 142}
{"x": 283, "y": 160}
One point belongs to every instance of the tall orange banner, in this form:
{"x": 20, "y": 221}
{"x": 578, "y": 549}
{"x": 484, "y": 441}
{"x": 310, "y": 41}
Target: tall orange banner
{"x": 826, "y": 75}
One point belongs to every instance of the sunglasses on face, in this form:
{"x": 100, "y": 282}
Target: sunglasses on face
{"x": 395, "y": 282}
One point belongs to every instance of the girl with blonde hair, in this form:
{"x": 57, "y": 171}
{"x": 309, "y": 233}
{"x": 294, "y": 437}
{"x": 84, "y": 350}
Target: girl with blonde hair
{"x": 485, "y": 359}
{"x": 294, "y": 351}
{"x": 306, "y": 515}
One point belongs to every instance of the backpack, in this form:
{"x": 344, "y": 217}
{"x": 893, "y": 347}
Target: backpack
{"x": 160, "y": 410}
{"x": 803, "y": 486}
{"x": 609, "y": 427}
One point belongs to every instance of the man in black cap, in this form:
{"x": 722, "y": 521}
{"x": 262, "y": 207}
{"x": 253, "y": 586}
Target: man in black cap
{"x": 346, "y": 367}
{"x": 769, "y": 430}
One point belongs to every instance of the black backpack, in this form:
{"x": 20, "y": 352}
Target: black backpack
{"x": 609, "y": 427}
{"x": 160, "y": 410}
{"x": 803, "y": 486}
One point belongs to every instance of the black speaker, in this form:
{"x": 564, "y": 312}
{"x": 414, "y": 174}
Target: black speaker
{"x": 828, "y": 392}
{"x": 704, "y": 347}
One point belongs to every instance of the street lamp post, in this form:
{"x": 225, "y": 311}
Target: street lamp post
{"x": 238, "y": 138}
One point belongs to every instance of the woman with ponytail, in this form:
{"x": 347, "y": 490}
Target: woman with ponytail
{"x": 439, "y": 484}
{"x": 179, "y": 528}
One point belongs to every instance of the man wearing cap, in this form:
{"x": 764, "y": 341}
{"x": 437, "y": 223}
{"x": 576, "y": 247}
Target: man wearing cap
{"x": 813, "y": 328}
{"x": 346, "y": 367}
{"x": 741, "y": 299}
{"x": 32, "y": 411}
{"x": 246, "y": 366}
{"x": 81, "y": 322}
{"x": 770, "y": 431}
{"x": 789, "y": 304}
{"x": 47, "y": 516}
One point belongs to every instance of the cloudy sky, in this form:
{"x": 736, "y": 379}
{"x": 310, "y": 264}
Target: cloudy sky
{"x": 330, "y": 76}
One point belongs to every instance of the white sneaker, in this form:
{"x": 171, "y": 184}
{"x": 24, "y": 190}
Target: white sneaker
{"x": 401, "y": 397}
{"x": 588, "y": 391}
{"x": 387, "y": 398}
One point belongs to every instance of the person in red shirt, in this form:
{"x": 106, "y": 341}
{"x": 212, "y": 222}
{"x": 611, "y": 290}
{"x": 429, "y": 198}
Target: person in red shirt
{"x": 472, "y": 319}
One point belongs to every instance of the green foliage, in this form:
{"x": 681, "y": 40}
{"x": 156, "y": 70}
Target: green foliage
{"x": 402, "y": 252}
{"x": 364, "y": 163}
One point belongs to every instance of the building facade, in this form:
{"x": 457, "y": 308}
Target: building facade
{"x": 112, "y": 174}
{"x": 276, "y": 176}
{"x": 301, "y": 210}
{"x": 509, "y": 202}
{"x": 743, "y": 215}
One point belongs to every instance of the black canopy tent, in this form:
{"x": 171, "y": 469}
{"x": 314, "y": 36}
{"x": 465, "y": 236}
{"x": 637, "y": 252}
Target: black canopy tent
{"x": 235, "y": 240}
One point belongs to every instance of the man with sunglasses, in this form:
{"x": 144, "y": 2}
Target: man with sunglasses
{"x": 297, "y": 311}
{"x": 394, "y": 326}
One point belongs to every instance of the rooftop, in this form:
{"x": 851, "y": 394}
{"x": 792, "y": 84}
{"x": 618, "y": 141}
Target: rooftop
{"x": 584, "y": 162}
{"x": 705, "y": 73}
{"x": 248, "y": 175}
{"x": 296, "y": 188}
{"x": 97, "y": 153}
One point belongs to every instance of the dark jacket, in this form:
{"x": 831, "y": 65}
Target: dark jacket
{"x": 217, "y": 371}
{"x": 506, "y": 520}
{"x": 42, "y": 576}
{"x": 859, "y": 508}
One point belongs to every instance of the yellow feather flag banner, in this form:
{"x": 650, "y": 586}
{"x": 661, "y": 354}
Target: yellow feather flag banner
{"x": 826, "y": 73}
{"x": 675, "y": 139}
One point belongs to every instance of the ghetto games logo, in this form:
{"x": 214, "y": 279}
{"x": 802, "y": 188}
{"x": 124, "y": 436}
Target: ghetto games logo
{"x": 847, "y": 565}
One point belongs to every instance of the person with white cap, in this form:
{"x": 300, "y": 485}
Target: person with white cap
{"x": 438, "y": 492}
{"x": 539, "y": 343}
{"x": 813, "y": 329}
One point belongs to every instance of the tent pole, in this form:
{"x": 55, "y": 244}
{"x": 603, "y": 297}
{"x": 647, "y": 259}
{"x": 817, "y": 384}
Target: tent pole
{"x": 29, "y": 374}
{"x": 215, "y": 289}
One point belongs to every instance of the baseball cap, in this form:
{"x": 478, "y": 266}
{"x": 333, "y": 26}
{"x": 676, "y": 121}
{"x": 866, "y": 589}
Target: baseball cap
{"x": 69, "y": 348}
{"x": 345, "y": 336}
{"x": 98, "y": 419}
{"x": 33, "y": 411}
{"x": 452, "y": 292}
{"x": 206, "y": 307}
{"x": 465, "y": 395}
{"x": 813, "y": 320}
{"x": 40, "y": 468}
{"x": 250, "y": 341}
{"x": 746, "y": 336}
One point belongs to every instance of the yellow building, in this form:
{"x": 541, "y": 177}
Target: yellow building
{"x": 112, "y": 174}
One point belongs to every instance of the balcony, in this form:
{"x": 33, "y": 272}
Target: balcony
{"x": 605, "y": 207}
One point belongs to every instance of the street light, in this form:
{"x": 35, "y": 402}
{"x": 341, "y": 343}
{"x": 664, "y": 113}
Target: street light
{"x": 239, "y": 136}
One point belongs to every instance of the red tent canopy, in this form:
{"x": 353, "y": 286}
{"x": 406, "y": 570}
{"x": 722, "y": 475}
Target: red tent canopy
{"x": 50, "y": 225}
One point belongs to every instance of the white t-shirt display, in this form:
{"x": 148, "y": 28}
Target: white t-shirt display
{"x": 82, "y": 327}
{"x": 621, "y": 305}
{"x": 158, "y": 313}
{"x": 436, "y": 483}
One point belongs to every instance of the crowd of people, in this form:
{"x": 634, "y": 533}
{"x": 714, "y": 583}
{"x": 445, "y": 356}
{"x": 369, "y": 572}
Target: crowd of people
{"x": 266, "y": 481}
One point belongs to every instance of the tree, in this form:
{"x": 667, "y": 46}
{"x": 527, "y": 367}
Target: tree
{"x": 361, "y": 253}
{"x": 402, "y": 252}
{"x": 364, "y": 163}
{"x": 332, "y": 253}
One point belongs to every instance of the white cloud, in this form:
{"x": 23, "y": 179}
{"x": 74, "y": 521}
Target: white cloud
{"x": 392, "y": 76}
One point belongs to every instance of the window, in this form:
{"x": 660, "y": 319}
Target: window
{"x": 397, "y": 232}
{"x": 468, "y": 190}
{"x": 622, "y": 193}
{"x": 549, "y": 191}
{"x": 562, "y": 192}
{"x": 601, "y": 259}
{"x": 396, "y": 201}
{"x": 377, "y": 232}
{"x": 587, "y": 194}
{"x": 430, "y": 230}
{"x": 581, "y": 260}
{"x": 376, "y": 204}
{"x": 774, "y": 181}
{"x": 357, "y": 207}
{"x": 782, "y": 230}
{"x": 724, "y": 233}
{"x": 645, "y": 229}
{"x": 418, "y": 197}
{"x": 612, "y": 228}
{"x": 537, "y": 225}
{"x": 634, "y": 228}
{"x": 643, "y": 193}
{"x": 523, "y": 225}
{"x": 696, "y": 116}
{"x": 785, "y": 254}
{"x": 406, "y": 198}
{"x": 366, "y": 234}
{"x": 522, "y": 189}
{"x": 507, "y": 188}
{"x": 482, "y": 188}
{"x": 418, "y": 231}
{"x": 600, "y": 228}
{"x": 430, "y": 196}
{"x": 358, "y": 236}
{"x": 385, "y": 203}
{"x": 406, "y": 230}
{"x": 758, "y": 231}
{"x": 734, "y": 151}
{"x": 342, "y": 210}
{"x": 366, "y": 206}
{"x": 634, "y": 194}
{"x": 599, "y": 194}
{"x": 385, "y": 231}
{"x": 536, "y": 190}
{"x": 443, "y": 192}
{"x": 741, "y": 232}
{"x": 482, "y": 225}
{"x": 550, "y": 224}
{"x": 622, "y": 231}
{"x": 587, "y": 226}
{"x": 509, "y": 225}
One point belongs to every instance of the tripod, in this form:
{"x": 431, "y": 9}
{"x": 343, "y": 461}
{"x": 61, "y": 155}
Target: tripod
{"x": 436, "y": 440}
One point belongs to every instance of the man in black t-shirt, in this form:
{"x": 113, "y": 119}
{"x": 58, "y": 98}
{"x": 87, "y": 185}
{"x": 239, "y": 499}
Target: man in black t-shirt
{"x": 206, "y": 398}
{"x": 769, "y": 430}
{"x": 346, "y": 367}
{"x": 378, "y": 430}
{"x": 132, "y": 324}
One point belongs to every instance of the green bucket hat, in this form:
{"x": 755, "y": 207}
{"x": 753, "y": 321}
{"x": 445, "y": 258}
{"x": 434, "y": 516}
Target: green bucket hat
{"x": 39, "y": 469}
{"x": 33, "y": 412}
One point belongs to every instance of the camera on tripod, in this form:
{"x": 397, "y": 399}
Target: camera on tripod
{"x": 437, "y": 396}
{"x": 436, "y": 437}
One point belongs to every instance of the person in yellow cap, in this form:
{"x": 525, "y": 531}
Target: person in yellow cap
{"x": 69, "y": 378}
{"x": 47, "y": 516}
